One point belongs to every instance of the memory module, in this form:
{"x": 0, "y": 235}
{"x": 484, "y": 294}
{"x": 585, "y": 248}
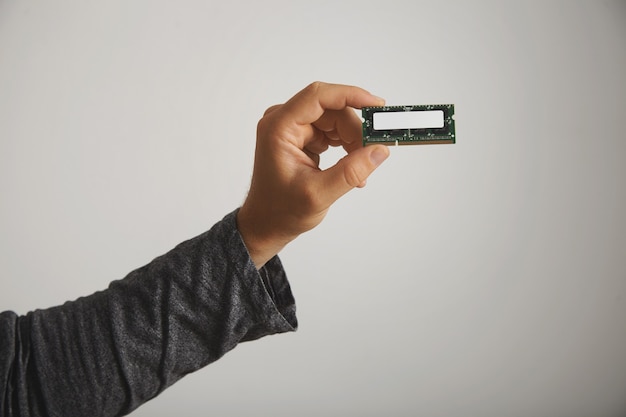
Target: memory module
{"x": 409, "y": 125}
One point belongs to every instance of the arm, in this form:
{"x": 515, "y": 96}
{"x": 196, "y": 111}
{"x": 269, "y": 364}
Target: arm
{"x": 108, "y": 353}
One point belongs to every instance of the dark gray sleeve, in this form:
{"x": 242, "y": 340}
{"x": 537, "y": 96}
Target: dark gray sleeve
{"x": 108, "y": 353}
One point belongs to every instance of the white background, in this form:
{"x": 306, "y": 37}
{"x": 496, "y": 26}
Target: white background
{"x": 484, "y": 278}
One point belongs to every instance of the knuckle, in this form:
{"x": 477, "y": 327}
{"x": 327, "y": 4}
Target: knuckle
{"x": 262, "y": 126}
{"x": 315, "y": 86}
{"x": 267, "y": 125}
{"x": 271, "y": 109}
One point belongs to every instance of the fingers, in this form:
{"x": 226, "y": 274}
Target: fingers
{"x": 322, "y": 115}
{"x": 315, "y": 156}
{"x": 351, "y": 171}
{"x": 320, "y": 107}
{"x": 343, "y": 125}
{"x": 310, "y": 104}
{"x": 318, "y": 144}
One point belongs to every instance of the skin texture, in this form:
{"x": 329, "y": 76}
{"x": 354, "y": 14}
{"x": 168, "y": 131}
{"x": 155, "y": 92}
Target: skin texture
{"x": 289, "y": 193}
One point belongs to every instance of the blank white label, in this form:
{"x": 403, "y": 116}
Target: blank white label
{"x": 408, "y": 120}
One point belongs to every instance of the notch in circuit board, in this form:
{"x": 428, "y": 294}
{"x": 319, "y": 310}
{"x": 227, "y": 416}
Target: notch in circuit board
{"x": 409, "y": 125}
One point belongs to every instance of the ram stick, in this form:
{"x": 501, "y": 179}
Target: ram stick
{"x": 409, "y": 125}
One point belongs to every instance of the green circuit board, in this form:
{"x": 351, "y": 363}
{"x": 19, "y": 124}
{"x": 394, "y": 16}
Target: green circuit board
{"x": 409, "y": 125}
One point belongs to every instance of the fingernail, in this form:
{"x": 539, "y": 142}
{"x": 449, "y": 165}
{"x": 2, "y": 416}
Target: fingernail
{"x": 379, "y": 154}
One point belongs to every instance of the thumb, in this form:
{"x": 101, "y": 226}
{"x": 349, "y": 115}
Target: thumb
{"x": 351, "y": 171}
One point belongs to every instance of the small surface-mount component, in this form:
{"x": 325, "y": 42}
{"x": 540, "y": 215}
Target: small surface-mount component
{"x": 409, "y": 125}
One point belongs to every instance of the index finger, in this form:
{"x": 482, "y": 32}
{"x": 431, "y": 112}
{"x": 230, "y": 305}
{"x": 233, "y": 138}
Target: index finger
{"x": 309, "y": 104}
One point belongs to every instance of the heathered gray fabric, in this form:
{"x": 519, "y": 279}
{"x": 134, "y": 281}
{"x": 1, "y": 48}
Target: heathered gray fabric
{"x": 108, "y": 353}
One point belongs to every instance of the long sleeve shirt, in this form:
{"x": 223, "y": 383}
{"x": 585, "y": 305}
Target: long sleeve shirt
{"x": 108, "y": 353}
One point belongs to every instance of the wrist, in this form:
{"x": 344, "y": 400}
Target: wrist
{"x": 260, "y": 240}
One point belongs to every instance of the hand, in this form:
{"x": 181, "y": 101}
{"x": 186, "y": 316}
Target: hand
{"x": 290, "y": 194}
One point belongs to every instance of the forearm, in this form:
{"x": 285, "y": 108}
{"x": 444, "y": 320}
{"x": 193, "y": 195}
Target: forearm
{"x": 108, "y": 353}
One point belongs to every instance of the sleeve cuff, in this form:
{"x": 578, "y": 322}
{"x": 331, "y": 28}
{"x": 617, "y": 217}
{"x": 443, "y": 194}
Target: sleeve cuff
{"x": 269, "y": 286}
